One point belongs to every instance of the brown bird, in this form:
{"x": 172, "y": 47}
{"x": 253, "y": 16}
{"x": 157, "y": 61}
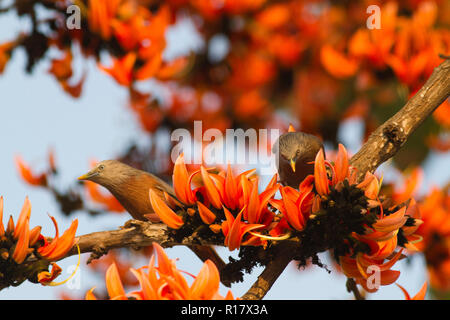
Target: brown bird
{"x": 294, "y": 153}
{"x": 131, "y": 188}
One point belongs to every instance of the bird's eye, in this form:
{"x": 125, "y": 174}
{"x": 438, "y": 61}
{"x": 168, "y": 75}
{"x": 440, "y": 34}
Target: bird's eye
{"x": 101, "y": 167}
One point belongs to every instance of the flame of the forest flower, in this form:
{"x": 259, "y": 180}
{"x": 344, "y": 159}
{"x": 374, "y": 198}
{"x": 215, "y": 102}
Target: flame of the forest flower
{"x": 419, "y": 295}
{"x": 337, "y": 63}
{"x": 165, "y": 282}
{"x": 164, "y": 212}
{"x": 122, "y": 69}
{"x": 59, "y": 246}
{"x": 296, "y": 205}
{"x": 31, "y": 243}
{"x": 234, "y": 229}
{"x": 28, "y": 175}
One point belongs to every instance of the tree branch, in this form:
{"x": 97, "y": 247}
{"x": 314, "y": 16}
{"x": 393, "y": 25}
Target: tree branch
{"x": 270, "y": 274}
{"x": 388, "y": 138}
{"x": 382, "y": 144}
{"x": 134, "y": 234}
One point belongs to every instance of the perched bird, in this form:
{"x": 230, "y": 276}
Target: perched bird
{"x": 130, "y": 187}
{"x": 295, "y": 152}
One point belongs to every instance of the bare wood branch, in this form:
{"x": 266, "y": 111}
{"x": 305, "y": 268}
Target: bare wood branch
{"x": 134, "y": 234}
{"x": 270, "y": 274}
{"x": 388, "y": 138}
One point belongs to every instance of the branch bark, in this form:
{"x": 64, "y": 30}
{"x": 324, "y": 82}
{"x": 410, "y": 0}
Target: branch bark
{"x": 382, "y": 144}
{"x": 388, "y": 138}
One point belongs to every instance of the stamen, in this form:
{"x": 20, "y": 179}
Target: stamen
{"x": 283, "y": 237}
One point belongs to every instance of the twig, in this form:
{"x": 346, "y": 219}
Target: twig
{"x": 352, "y": 287}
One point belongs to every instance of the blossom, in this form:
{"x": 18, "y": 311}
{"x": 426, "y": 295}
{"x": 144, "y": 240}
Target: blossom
{"x": 30, "y": 243}
{"x": 28, "y": 175}
{"x": 165, "y": 282}
{"x": 419, "y": 295}
{"x": 296, "y": 205}
{"x": 164, "y": 212}
{"x": 59, "y": 245}
{"x": 234, "y": 229}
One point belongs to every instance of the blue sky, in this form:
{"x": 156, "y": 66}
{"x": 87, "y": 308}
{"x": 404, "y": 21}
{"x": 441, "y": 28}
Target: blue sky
{"x": 36, "y": 115}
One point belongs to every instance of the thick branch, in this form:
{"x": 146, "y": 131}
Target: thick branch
{"x": 270, "y": 274}
{"x": 134, "y": 234}
{"x": 388, "y": 138}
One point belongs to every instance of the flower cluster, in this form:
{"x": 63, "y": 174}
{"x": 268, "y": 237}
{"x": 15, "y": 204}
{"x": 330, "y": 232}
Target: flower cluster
{"x": 26, "y": 253}
{"x": 218, "y": 196}
{"x": 165, "y": 282}
{"x": 329, "y": 211}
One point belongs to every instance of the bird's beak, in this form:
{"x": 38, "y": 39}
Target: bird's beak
{"x": 87, "y": 176}
{"x": 292, "y": 164}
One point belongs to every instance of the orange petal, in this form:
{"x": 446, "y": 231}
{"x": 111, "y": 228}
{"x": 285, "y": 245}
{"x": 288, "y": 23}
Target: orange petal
{"x": 422, "y": 292}
{"x": 113, "y": 282}
{"x": 21, "y": 250}
{"x": 206, "y": 215}
{"x": 90, "y": 295}
{"x": 337, "y": 63}
{"x": 211, "y": 190}
{"x": 28, "y": 175}
{"x": 64, "y": 243}
{"x": 23, "y": 217}
{"x": 181, "y": 182}
{"x": 170, "y": 218}
{"x": 341, "y": 166}
{"x": 320, "y": 174}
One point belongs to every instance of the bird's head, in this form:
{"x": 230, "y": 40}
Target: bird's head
{"x": 296, "y": 148}
{"x": 108, "y": 173}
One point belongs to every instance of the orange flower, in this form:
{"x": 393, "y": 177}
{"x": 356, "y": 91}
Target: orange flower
{"x": 320, "y": 174}
{"x": 337, "y": 63}
{"x": 122, "y": 69}
{"x": 206, "y": 215}
{"x": 164, "y": 212}
{"x": 5, "y": 53}
{"x": 27, "y": 174}
{"x": 100, "y": 15}
{"x": 165, "y": 282}
{"x": 59, "y": 246}
{"x": 234, "y": 229}
{"x": 419, "y": 295}
{"x": 46, "y": 278}
{"x": 296, "y": 205}
{"x": 210, "y": 188}
{"x": 182, "y": 182}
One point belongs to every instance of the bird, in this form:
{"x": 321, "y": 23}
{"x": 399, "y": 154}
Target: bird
{"x": 130, "y": 186}
{"x": 295, "y": 153}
